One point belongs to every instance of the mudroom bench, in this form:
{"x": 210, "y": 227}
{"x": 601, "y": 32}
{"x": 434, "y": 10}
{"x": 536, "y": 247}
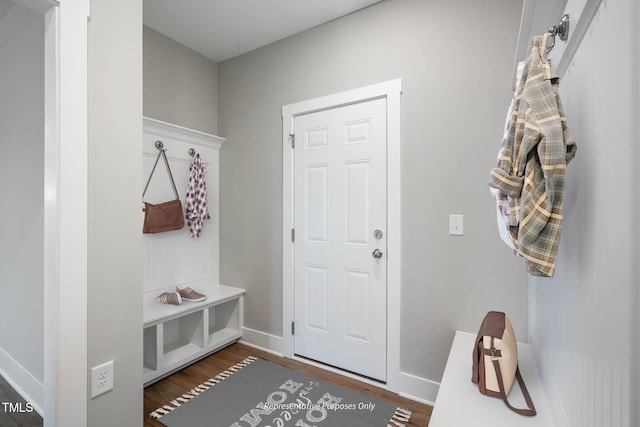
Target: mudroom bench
{"x": 178, "y": 335}
{"x": 459, "y": 403}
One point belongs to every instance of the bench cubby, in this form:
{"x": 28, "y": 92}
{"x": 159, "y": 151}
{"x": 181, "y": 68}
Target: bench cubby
{"x": 178, "y": 335}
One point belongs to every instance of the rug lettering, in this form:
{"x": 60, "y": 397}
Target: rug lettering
{"x": 293, "y": 407}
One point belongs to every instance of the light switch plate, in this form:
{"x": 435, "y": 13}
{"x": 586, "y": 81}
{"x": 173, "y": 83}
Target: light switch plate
{"x": 456, "y": 225}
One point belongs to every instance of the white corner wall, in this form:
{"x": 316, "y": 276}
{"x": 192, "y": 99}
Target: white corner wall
{"x": 22, "y": 201}
{"x": 584, "y": 322}
{"x": 114, "y": 247}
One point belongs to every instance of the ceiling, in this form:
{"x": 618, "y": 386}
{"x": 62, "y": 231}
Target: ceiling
{"x": 222, "y": 29}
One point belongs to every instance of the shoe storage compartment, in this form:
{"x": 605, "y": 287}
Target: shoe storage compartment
{"x": 150, "y": 349}
{"x": 178, "y": 335}
{"x": 223, "y": 321}
{"x": 182, "y": 337}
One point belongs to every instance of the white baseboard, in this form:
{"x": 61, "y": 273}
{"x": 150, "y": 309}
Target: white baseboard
{"x": 25, "y": 384}
{"x": 417, "y": 388}
{"x": 262, "y": 340}
{"x": 410, "y": 386}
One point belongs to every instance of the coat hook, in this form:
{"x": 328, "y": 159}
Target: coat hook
{"x": 159, "y": 145}
{"x": 192, "y": 152}
{"x": 562, "y": 29}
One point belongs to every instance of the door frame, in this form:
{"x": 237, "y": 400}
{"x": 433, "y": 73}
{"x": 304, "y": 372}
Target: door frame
{"x": 65, "y": 210}
{"x": 391, "y": 90}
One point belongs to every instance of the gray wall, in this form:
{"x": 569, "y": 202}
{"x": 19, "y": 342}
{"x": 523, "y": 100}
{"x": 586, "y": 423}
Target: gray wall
{"x": 114, "y": 301}
{"x": 22, "y": 191}
{"x": 456, "y": 62}
{"x": 180, "y": 85}
{"x": 593, "y": 302}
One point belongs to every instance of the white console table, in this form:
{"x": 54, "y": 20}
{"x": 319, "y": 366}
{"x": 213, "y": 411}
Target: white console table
{"x": 459, "y": 403}
{"x": 177, "y": 335}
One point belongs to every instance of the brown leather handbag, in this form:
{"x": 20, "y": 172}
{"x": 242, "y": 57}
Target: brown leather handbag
{"x": 166, "y": 216}
{"x": 495, "y": 361}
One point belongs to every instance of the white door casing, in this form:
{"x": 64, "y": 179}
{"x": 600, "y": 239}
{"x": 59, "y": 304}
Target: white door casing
{"x": 65, "y": 218}
{"x": 340, "y": 282}
{"x": 389, "y": 92}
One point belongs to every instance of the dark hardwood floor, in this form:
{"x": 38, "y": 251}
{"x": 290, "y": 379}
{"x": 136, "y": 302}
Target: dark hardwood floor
{"x": 15, "y": 411}
{"x": 162, "y": 392}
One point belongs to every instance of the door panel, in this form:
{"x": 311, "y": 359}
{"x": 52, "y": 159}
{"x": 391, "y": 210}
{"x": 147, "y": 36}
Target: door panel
{"x": 317, "y": 282}
{"x": 357, "y": 180}
{"x": 340, "y": 200}
{"x": 316, "y": 179}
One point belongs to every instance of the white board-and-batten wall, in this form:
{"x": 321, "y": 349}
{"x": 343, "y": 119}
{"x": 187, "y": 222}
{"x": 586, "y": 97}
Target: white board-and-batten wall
{"x": 175, "y": 257}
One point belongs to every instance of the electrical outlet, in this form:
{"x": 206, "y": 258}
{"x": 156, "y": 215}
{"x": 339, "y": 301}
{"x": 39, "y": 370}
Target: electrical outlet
{"x": 101, "y": 379}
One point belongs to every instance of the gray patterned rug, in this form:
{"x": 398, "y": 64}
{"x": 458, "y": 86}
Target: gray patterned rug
{"x": 257, "y": 393}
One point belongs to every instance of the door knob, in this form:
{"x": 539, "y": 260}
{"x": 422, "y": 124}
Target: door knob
{"x": 377, "y": 253}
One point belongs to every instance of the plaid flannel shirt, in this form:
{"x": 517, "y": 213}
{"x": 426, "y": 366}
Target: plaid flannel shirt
{"x": 502, "y": 200}
{"x": 532, "y": 170}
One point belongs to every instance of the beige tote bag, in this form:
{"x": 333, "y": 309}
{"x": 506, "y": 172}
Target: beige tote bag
{"x": 495, "y": 361}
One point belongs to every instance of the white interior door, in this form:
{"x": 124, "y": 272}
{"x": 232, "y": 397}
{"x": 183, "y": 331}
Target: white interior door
{"x": 340, "y": 262}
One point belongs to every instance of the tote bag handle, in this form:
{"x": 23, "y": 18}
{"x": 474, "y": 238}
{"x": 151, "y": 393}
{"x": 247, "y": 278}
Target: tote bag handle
{"x": 166, "y": 162}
